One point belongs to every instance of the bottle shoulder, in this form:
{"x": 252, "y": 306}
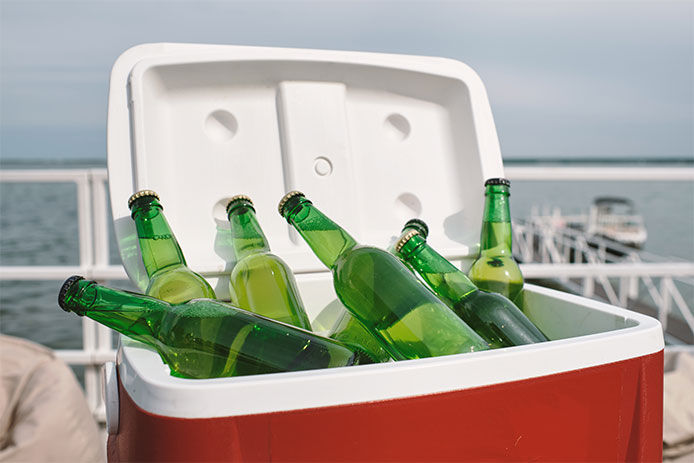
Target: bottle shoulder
{"x": 260, "y": 261}
{"x": 178, "y": 284}
{"x": 501, "y": 265}
{"x": 361, "y": 254}
{"x": 176, "y": 271}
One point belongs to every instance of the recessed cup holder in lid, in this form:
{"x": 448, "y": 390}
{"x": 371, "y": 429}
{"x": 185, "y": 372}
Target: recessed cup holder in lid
{"x": 221, "y": 125}
{"x": 397, "y": 127}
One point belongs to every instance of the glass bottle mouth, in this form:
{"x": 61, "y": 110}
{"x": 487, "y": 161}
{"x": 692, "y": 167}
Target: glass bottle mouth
{"x": 497, "y": 181}
{"x": 287, "y": 200}
{"x": 405, "y": 239}
{"x": 237, "y": 201}
{"x": 63, "y": 301}
{"x": 142, "y": 194}
{"x": 418, "y": 225}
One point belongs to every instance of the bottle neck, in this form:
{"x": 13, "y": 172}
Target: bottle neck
{"x": 443, "y": 277}
{"x": 246, "y": 235}
{"x": 132, "y": 314}
{"x": 158, "y": 244}
{"x": 326, "y": 238}
{"x": 496, "y": 226}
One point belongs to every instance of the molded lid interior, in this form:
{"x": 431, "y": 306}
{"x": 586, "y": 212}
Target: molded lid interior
{"x": 372, "y": 139}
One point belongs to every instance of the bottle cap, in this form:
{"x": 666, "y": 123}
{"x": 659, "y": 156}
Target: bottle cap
{"x": 419, "y": 224}
{"x": 238, "y": 198}
{"x": 66, "y": 287}
{"x": 141, "y": 194}
{"x": 287, "y": 197}
{"x": 405, "y": 238}
{"x": 497, "y": 181}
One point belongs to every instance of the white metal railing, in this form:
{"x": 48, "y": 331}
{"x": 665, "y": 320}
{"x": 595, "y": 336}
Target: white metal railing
{"x": 93, "y": 226}
{"x": 622, "y": 173}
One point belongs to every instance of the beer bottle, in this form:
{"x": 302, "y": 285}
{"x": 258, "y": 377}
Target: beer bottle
{"x": 260, "y": 281}
{"x": 204, "y": 338}
{"x": 170, "y": 278}
{"x": 349, "y": 331}
{"x": 491, "y": 315}
{"x": 495, "y": 269}
{"x": 379, "y": 291}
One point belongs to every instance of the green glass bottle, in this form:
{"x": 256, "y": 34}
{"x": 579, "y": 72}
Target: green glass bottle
{"x": 204, "y": 338}
{"x": 260, "y": 281}
{"x": 379, "y": 291}
{"x": 495, "y": 269}
{"x": 491, "y": 315}
{"x": 349, "y": 331}
{"x": 170, "y": 278}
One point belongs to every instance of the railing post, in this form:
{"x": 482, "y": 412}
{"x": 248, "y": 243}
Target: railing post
{"x": 623, "y": 294}
{"x": 665, "y": 302}
{"x": 634, "y": 281}
{"x": 90, "y": 331}
{"x": 588, "y": 286}
{"x": 100, "y": 243}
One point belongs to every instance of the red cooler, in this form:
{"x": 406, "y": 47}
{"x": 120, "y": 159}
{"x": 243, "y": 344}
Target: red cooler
{"x": 373, "y": 140}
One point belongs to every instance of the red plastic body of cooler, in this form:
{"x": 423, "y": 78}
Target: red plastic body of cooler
{"x": 609, "y": 412}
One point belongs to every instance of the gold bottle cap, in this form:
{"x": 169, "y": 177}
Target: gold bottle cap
{"x": 141, "y": 194}
{"x": 287, "y": 197}
{"x": 238, "y": 198}
{"x": 405, "y": 238}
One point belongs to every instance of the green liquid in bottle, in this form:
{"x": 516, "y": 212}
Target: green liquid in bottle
{"x": 178, "y": 284}
{"x": 208, "y": 342}
{"x": 495, "y": 269}
{"x": 411, "y": 320}
{"x": 380, "y": 291}
{"x": 492, "y": 316}
{"x": 260, "y": 281}
{"x": 351, "y": 332}
{"x": 204, "y": 338}
{"x": 170, "y": 278}
{"x": 262, "y": 286}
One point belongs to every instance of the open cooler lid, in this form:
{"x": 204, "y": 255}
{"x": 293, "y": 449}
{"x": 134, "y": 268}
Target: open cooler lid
{"x": 372, "y": 139}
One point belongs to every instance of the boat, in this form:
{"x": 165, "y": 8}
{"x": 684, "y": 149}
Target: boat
{"x": 616, "y": 219}
{"x": 611, "y": 224}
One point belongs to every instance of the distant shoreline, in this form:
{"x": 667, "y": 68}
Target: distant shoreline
{"x": 77, "y": 162}
{"x": 600, "y": 161}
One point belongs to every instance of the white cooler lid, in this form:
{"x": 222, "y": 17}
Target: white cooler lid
{"x": 372, "y": 139}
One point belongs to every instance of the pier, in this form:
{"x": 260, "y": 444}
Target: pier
{"x": 551, "y": 253}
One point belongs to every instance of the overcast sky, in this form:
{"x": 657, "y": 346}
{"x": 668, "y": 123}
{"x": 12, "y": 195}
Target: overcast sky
{"x": 565, "y": 79}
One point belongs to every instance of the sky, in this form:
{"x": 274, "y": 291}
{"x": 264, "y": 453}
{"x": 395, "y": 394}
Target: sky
{"x": 565, "y": 79}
